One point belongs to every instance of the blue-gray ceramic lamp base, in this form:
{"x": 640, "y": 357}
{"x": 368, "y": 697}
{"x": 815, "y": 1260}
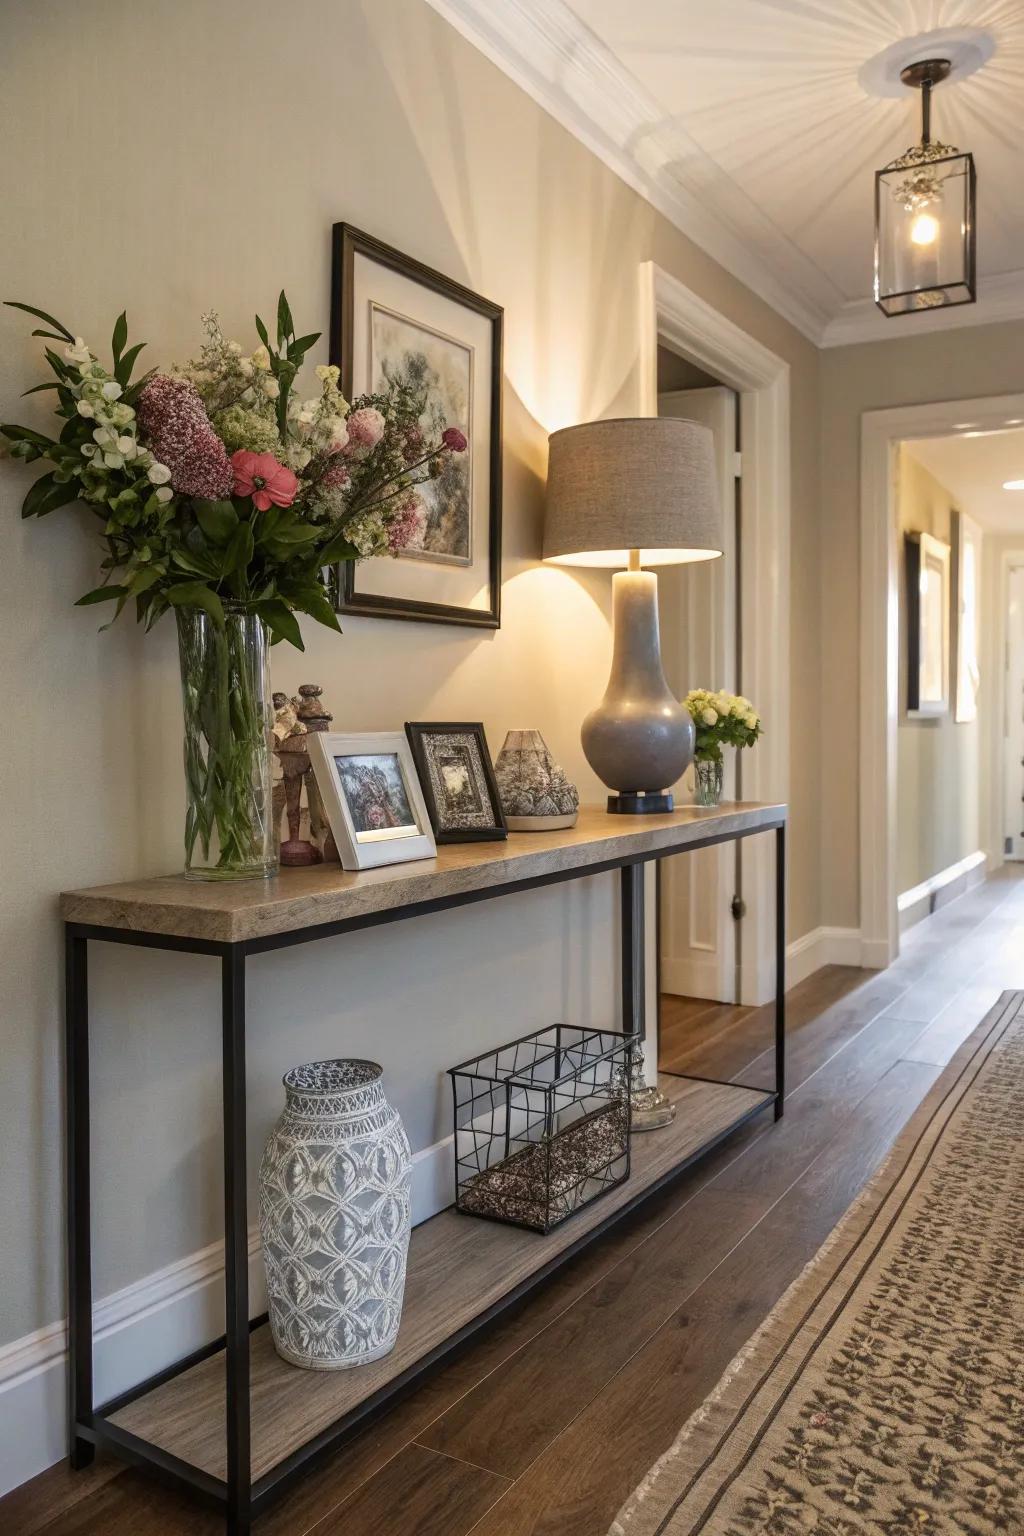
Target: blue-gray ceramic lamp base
{"x": 640, "y": 739}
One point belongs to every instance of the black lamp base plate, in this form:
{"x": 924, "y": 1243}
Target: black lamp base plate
{"x": 633, "y": 802}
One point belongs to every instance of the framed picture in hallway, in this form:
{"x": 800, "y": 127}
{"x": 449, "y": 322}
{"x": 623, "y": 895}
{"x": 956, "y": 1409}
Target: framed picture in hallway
{"x": 928, "y": 625}
{"x": 396, "y": 323}
{"x": 372, "y": 797}
{"x": 966, "y": 594}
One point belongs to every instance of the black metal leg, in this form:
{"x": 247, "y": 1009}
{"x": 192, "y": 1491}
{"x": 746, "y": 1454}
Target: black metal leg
{"x": 780, "y": 970}
{"x": 79, "y": 1235}
{"x": 634, "y": 987}
{"x": 236, "y": 1245}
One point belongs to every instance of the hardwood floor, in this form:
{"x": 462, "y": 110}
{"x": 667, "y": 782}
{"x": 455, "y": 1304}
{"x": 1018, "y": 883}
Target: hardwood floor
{"x": 545, "y": 1426}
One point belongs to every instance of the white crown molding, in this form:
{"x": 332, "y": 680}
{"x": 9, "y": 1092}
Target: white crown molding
{"x": 544, "y": 47}
{"x": 1000, "y": 298}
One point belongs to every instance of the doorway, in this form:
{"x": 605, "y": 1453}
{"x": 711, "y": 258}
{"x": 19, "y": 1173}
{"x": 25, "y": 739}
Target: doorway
{"x": 964, "y": 426}
{"x": 700, "y": 896}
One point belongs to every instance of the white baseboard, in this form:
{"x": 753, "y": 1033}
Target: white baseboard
{"x": 820, "y": 947}
{"x": 143, "y": 1328}
{"x": 956, "y": 880}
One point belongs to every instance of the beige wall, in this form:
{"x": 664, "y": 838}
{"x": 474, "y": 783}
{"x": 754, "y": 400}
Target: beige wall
{"x": 944, "y": 365}
{"x": 938, "y": 786}
{"x": 177, "y": 155}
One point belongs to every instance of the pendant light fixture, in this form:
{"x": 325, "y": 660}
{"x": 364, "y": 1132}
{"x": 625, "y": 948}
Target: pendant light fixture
{"x": 925, "y": 229}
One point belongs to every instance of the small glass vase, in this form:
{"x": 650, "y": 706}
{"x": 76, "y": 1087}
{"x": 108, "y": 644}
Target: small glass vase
{"x": 225, "y": 691}
{"x": 707, "y": 781}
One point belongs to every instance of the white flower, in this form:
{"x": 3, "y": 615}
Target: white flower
{"x": 164, "y": 492}
{"x": 159, "y": 474}
{"x": 113, "y": 460}
{"x": 750, "y": 719}
{"x": 709, "y": 717}
{"x": 122, "y": 414}
{"x": 271, "y": 388}
{"x": 126, "y": 445}
{"x": 79, "y": 353}
{"x": 104, "y": 437}
{"x": 86, "y": 408}
{"x": 261, "y": 359}
{"x": 111, "y": 390}
{"x": 327, "y": 373}
{"x": 234, "y": 348}
{"x": 337, "y": 433}
{"x": 245, "y": 367}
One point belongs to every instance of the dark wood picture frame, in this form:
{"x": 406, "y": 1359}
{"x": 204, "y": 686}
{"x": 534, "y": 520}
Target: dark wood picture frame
{"x": 416, "y": 731}
{"x": 348, "y": 243}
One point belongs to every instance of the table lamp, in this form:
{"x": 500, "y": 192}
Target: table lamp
{"x": 634, "y": 492}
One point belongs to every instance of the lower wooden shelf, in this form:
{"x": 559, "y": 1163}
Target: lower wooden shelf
{"x": 460, "y": 1268}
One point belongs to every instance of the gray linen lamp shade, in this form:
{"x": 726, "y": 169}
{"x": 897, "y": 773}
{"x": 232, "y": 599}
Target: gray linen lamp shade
{"x": 646, "y": 483}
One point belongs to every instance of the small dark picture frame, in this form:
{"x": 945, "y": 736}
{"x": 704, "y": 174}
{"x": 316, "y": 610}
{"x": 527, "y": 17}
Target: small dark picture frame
{"x": 457, "y": 778}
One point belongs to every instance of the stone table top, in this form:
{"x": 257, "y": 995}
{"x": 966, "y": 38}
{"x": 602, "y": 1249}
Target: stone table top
{"x": 237, "y": 911}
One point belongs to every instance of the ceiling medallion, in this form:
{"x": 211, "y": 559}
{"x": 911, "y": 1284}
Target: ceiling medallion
{"x": 925, "y": 228}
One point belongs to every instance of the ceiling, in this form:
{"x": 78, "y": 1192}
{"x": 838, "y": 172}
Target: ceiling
{"x": 757, "y": 126}
{"x": 973, "y": 470}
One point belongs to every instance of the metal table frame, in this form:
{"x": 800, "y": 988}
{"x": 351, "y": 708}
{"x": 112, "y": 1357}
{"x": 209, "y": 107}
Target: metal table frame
{"x": 241, "y": 1499}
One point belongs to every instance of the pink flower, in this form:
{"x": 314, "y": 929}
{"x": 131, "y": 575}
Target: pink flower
{"x": 335, "y": 476}
{"x": 175, "y": 427}
{"x": 407, "y": 527}
{"x": 260, "y": 476}
{"x": 365, "y": 427}
{"x": 454, "y": 439}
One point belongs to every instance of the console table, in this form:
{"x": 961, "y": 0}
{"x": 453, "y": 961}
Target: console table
{"x": 234, "y": 1423}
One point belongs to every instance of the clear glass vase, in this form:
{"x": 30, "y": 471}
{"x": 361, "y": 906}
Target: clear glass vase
{"x": 225, "y": 691}
{"x": 707, "y": 780}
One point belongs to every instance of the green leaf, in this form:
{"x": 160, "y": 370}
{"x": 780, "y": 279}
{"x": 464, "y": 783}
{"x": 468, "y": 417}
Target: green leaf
{"x": 101, "y": 595}
{"x": 239, "y": 550}
{"x": 285, "y": 324}
{"x": 202, "y": 564}
{"x": 47, "y": 494}
{"x": 298, "y": 349}
{"x": 338, "y": 548}
{"x": 296, "y": 532}
{"x": 217, "y": 519}
{"x": 50, "y": 384}
{"x": 281, "y": 621}
{"x": 313, "y": 600}
{"x": 119, "y": 337}
{"x": 125, "y": 364}
{"x": 26, "y": 435}
{"x": 41, "y": 314}
{"x": 196, "y": 594}
{"x": 261, "y": 332}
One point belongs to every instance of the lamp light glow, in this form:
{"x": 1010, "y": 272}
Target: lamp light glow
{"x": 1013, "y": 485}
{"x": 924, "y": 230}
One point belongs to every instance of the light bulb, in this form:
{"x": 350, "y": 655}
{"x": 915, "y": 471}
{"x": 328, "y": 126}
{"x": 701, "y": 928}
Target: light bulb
{"x": 924, "y": 229}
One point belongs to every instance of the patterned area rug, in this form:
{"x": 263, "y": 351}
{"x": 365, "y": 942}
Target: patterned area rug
{"x": 884, "y": 1395}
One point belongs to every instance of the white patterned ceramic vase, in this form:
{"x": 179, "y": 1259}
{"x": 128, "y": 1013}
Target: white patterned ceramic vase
{"x": 334, "y": 1217}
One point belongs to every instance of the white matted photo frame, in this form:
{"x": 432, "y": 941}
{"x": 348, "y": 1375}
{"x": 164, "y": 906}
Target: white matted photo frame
{"x": 394, "y": 319}
{"x": 457, "y": 777}
{"x": 372, "y": 796}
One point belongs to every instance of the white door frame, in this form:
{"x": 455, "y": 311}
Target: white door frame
{"x": 881, "y": 434}
{"x": 672, "y": 312}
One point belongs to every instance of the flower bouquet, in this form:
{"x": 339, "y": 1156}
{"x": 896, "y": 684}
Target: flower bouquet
{"x": 721, "y": 720}
{"x": 226, "y": 497}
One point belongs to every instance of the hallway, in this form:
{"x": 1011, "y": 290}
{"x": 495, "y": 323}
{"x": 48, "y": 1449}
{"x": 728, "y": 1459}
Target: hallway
{"x": 547, "y": 1424}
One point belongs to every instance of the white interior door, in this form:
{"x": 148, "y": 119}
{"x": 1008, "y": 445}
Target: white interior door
{"x": 698, "y": 619}
{"x": 1013, "y": 734}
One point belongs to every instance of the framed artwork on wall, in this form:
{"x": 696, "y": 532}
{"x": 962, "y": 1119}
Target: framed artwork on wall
{"x": 928, "y": 626}
{"x": 394, "y": 319}
{"x": 373, "y": 800}
{"x": 966, "y": 598}
{"x": 458, "y": 781}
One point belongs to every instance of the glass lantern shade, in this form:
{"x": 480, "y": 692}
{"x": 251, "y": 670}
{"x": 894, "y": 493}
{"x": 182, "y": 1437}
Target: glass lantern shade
{"x": 925, "y": 231}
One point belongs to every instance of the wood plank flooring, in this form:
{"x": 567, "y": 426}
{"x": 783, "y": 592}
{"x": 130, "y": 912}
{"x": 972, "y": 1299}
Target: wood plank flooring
{"x": 544, "y": 1426}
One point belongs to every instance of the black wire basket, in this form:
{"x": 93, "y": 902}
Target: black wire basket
{"x": 542, "y": 1125}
